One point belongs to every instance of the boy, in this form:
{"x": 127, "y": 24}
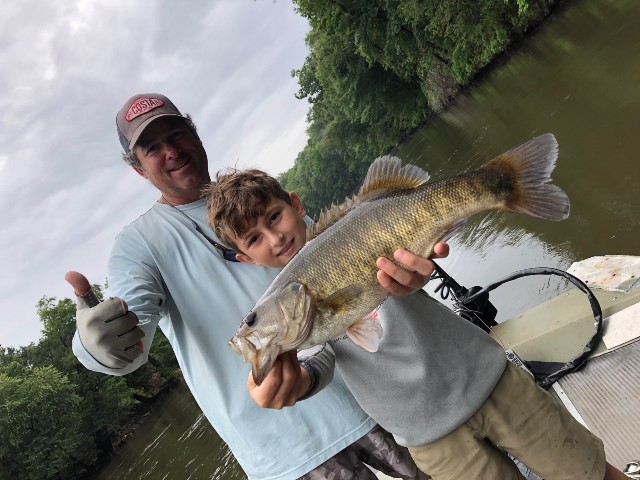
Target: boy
{"x": 439, "y": 384}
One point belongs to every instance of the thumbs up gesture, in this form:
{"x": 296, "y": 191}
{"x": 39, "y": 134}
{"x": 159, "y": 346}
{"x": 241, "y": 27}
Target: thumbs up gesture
{"x": 107, "y": 330}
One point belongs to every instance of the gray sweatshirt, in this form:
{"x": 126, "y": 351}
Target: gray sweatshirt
{"x": 432, "y": 371}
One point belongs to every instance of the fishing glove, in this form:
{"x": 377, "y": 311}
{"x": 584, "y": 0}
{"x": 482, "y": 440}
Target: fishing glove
{"x": 108, "y": 331}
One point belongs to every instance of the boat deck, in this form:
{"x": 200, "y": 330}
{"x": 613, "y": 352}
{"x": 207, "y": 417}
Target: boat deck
{"x": 605, "y": 394}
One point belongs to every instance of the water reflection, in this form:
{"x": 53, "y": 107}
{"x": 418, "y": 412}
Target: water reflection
{"x": 486, "y": 252}
{"x": 177, "y": 442}
{"x": 577, "y": 77}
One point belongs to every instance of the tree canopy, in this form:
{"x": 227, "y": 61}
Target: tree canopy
{"x": 58, "y": 419}
{"x": 378, "y": 69}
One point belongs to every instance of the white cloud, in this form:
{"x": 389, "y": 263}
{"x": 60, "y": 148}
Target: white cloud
{"x": 69, "y": 66}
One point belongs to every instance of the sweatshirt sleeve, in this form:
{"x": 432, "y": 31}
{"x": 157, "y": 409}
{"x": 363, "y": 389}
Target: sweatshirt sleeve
{"x": 319, "y": 361}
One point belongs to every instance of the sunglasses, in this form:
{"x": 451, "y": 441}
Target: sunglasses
{"x": 227, "y": 253}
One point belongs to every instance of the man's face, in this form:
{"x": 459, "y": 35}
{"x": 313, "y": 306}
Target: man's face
{"x": 276, "y": 236}
{"x": 173, "y": 159}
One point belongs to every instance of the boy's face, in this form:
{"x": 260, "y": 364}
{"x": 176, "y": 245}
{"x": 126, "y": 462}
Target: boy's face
{"x": 276, "y": 236}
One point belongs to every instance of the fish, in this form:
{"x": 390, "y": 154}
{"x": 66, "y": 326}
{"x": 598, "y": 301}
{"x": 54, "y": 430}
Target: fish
{"x": 330, "y": 286}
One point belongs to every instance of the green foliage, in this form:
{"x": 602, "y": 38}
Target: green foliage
{"x": 40, "y": 428}
{"x": 377, "y": 69}
{"x": 58, "y": 418}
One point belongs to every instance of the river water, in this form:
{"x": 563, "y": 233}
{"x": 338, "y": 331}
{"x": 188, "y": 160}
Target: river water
{"x": 578, "y": 77}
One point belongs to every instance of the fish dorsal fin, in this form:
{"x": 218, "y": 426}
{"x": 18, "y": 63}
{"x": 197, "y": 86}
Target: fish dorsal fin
{"x": 385, "y": 173}
{"x": 329, "y": 216}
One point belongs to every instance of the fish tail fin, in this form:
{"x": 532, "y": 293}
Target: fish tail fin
{"x": 528, "y": 168}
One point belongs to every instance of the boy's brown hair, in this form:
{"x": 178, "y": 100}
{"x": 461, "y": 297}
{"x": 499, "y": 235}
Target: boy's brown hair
{"x": 235, "y": 200}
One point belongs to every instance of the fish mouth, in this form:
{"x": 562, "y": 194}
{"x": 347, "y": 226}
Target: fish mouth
{"x": 238, "y": 347}
{"x": 261, "y": 359}
{"x": 246, "y": 346}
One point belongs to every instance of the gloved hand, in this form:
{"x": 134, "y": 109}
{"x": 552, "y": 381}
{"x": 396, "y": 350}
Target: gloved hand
{"x": 107, "y": 330}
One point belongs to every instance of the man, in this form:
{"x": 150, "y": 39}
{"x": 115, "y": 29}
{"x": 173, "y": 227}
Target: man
{"x": 169, "y": 271}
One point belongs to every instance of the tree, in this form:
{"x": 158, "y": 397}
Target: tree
{"x": 377, "y": 69}
{"x": 357, "y": 112}
{"x": 101, "y": 405}
{"x": 39, "y": 425}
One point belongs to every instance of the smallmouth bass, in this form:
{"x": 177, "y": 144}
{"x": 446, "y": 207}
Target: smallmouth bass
{"x": 330, "y": 286}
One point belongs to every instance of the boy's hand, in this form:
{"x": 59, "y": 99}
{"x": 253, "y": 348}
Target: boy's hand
{"x": 401, "y": 282}
{"x": 284, "y": 384}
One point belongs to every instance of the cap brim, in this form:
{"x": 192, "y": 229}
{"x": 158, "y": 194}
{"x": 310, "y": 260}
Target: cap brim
{"x": 145, "y": 124}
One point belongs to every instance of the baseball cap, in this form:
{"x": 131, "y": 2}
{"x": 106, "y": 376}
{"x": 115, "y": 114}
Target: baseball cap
{"x": 138, "y": 112}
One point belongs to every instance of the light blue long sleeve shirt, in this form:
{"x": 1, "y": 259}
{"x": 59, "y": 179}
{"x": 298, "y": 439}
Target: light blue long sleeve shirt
{"x": 170, "y": 276}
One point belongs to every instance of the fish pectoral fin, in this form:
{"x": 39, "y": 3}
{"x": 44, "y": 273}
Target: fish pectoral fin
{"x": 342, "y": 299}
{"x": 366, "y": 333}
{"x": 453, "y": 230}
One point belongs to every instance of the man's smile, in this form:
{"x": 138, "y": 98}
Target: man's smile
{"x": 180, "y": 166}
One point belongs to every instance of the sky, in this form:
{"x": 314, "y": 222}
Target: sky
{"x": 67, "y": 68}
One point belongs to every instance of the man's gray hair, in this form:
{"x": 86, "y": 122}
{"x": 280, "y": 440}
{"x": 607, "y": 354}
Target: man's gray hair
{"x": 133, "y": 161}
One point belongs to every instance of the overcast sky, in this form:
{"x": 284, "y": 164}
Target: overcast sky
{"x": 67, "y": 68}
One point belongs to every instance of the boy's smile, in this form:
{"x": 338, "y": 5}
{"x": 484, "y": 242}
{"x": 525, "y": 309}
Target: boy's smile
{"x": 276, "y": 236}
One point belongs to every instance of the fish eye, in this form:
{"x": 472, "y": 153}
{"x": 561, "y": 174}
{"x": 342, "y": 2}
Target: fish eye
{"x": 250, "y": 319}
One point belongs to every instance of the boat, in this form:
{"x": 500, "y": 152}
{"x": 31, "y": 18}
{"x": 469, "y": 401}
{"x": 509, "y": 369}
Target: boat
{"x": 593, "y": 363}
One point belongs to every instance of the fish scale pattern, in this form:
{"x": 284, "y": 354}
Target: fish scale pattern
{"x": 337, "y": 269}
